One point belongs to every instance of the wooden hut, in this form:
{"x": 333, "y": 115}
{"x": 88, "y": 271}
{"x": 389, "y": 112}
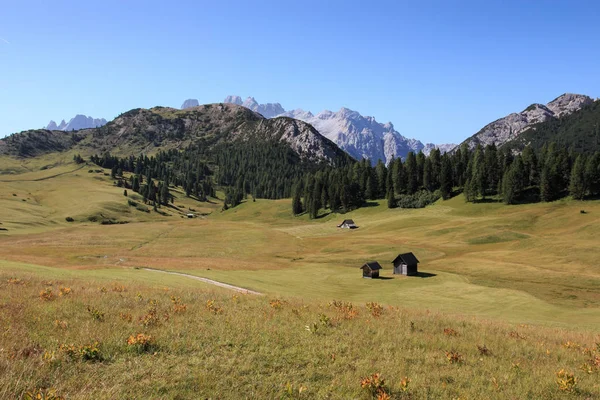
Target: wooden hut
{"x": 347, "y": 223}
{"x": 371, "y": 269}
{"x": 405, "y": 264}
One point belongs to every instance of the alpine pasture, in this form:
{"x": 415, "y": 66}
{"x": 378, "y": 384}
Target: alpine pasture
{"x": 508, "y": 296}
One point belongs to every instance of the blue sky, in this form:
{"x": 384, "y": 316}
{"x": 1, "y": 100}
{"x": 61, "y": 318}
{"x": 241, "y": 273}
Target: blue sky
{"x": 439, "y": 70}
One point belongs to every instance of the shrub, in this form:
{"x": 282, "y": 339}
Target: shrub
{"x": 375, "y": 385}
{"x": 140, "y": 343}
{"x": 418, "y": 200}
{"x": 69, "y": 219}
{"x": 95, "y": 313}
{"x": 46, "y": 294}
{"x": 150, "y": 318}
{"x": 132, "y": 203}
{"x": 42, "y": 394}
{"x": 454, "y": 357}
{"x": 566, "y": 381}
{"x": 375, "y": 308}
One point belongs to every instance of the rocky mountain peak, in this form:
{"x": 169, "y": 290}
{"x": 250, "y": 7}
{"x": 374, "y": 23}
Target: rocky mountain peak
{"x": 250, "y": 103}
{"x": 511, "y": 126}
{"x": 189, "y": 103}
{"x": 76, "y": 123}
{"x": 568, "y": 103}
{"x": 233, "y": 100}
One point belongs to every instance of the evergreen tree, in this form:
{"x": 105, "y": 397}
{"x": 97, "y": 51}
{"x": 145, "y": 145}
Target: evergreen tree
{"x": 391, "y": 199}
{"x": 577, "y": 187}
{"x": 446, "y": 178}
{"x": 411, "y": 173}
{"x": 297, "y": 202}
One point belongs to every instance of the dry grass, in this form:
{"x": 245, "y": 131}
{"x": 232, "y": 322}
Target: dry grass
{"x": 251, "y": 349}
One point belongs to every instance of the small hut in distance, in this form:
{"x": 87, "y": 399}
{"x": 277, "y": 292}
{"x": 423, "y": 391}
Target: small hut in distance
{"x": 371, "y": 269}
{"x": 405, "y": 264}
{"x": 347, "y": 223}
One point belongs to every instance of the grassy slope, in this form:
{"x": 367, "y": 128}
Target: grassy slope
{"x": 533, "y": 263}
{"x": 257, "y": 348}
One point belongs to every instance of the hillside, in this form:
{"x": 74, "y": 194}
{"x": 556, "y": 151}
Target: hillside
{"x": 510, "y": 127}
{"x": 358, "y": 135}
{"x": 507, "y": 296}
{"x": 579, "y": 131}
{"x": 160, "y": 128}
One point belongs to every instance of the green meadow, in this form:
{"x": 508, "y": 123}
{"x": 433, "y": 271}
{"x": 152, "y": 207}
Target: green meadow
{"x": 523, "y": 280}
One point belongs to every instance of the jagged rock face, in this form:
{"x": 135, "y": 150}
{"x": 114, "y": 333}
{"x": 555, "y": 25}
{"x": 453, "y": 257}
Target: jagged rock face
{"x": 268, "y": 110}
{"x": 511, "y": 126}
{"x": 84, "y": 122}
{"x": 233, "y": 100}
{"x": 76, "y": 123}
{"x": 143, "y": 130}
{"x": 189, "y": 103}
{"x": 359, "y": 136}
{"x": 568, "y": 103}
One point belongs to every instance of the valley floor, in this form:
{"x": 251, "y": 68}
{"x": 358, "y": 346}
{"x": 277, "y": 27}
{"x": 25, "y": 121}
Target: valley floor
{"x": 484, "y": 264}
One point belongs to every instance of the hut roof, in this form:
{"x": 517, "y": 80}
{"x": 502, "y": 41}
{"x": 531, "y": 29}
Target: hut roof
{"x": 373, "y": 266}
{"x": 407, "y": 258}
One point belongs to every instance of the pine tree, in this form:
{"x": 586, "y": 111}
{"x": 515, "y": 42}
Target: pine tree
{"x": 577, "y": 187}
{"x": 411, "y": 173}
{"x": 297, "y": 202}
{"x": 545, "y": 186}
{"x": 446, "y": 178}
{"x": 391, "y": 199}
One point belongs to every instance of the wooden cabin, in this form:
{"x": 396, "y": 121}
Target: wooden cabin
{"x": 371, "y": 269}
{"x": 405, "y": 264}
{"x": 347, "y": 223}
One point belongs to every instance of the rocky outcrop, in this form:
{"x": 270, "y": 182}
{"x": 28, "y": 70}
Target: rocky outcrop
{"x": 189, "y": 103}
{"x": 510, "y": 127}
{"x": 268, "y": 110}
{"x": 359, "y": 136}
{"x": 233, "y": 100}
{"x": 76, "y": 123}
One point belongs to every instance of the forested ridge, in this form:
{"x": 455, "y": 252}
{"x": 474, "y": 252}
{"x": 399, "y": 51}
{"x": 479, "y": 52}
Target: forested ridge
{"x": 263, "y": 169}
{"x": 481, "y": 174}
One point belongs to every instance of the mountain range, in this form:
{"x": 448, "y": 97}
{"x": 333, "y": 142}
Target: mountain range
{"x": 510, "y": 127}
{"x": 163, "y": 128}
{"x": 364, "y": 137}
{"x": 359, "y": 136}
{"x": 76, "y": 123}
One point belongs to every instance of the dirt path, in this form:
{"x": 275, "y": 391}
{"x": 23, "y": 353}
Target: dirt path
{"x": 209, "y": 281}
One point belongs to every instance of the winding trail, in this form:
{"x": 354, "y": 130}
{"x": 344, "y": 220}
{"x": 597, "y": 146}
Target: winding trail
{"x": 209, "y": 281}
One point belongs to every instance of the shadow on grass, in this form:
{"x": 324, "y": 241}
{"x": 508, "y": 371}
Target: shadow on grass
{"x": 425, "y": 275}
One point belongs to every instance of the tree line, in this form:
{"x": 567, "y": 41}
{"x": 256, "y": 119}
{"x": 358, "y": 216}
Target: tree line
{"x": 481, "y": 173}
{"x": 263, "y": 170}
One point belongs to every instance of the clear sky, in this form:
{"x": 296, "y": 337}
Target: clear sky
{"x": 439, "y": 70}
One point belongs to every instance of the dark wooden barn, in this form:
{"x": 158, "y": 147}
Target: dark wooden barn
{"x": 405, "y": 264}
{"x": 348, "y": 223}
{"x": 371, "y": 269}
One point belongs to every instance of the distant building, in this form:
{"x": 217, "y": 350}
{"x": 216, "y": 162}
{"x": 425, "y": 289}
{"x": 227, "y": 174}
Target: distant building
{"x": 405, "y": 264}
{"x": 371, "y": 270}
{"x": 347, "y": 223}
